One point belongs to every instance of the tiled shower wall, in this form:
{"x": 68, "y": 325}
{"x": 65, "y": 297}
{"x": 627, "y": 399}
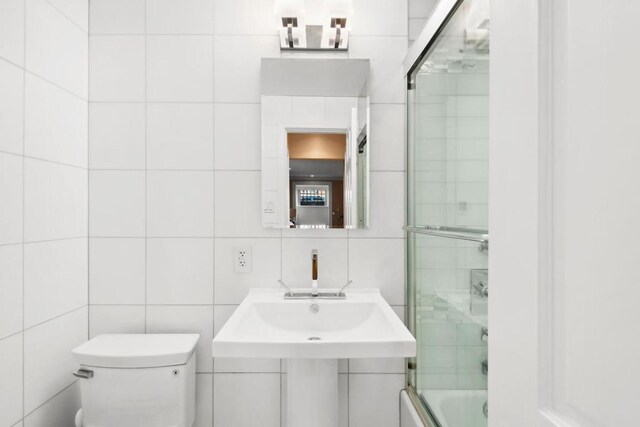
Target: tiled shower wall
{"x": 43, "y": 208}
{"x": 175, "y": 186}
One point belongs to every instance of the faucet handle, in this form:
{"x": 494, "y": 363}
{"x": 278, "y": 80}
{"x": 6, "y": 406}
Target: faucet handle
{"x": 340, "y": 293}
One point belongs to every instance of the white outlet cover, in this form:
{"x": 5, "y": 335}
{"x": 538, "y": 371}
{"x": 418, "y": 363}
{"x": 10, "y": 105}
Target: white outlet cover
{"x": 242, "y": 259}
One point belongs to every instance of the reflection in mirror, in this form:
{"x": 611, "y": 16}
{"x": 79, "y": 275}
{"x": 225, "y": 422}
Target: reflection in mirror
{"x": 315, "y": 152}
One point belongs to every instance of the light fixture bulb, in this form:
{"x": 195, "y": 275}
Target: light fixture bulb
{"x": 288, "y": 8}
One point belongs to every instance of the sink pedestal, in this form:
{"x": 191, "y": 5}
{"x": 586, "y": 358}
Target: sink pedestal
{"x": 312, "y": 392}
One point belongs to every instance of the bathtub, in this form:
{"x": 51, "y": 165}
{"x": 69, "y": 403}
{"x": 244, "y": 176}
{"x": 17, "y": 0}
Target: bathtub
{"x": 457, "y": 408}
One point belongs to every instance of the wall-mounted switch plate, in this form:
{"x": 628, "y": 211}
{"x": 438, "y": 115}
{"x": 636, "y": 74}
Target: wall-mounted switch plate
{"x": 242, "y": 259}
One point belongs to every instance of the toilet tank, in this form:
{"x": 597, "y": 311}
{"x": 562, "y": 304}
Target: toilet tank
{"x": 138, "y": 380}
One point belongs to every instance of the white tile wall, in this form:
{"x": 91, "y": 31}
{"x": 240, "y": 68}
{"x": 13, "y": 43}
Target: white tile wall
{"x": 55, "y": 123}
{"x": 11, "y": 290}
{"x": 180, "y": 136}
{"x": 117, "y": 136}
{"x": 184, "y": 17}
{"x": 379, "y": 391}
{"x": 117, "y": 68}
{"x": 12, "y": 31}
{"x": 11, "y": 384}
{"x": 179, "y": 109}
{"x": 47, "y": 356}
{"x": 179, "y": 204}
{"x": 11, "y": 193}
{"x": 186, "y": 262}
{"x": 55, "y": 279}
{"x": 43, "y": 219}
{"x": 11, "y": 104}
{"x": 117, "y": 271}
{"x": 116, "y": 205}
{"x": 117, "y": 17}
{"x": 231, "y": 392}
{"x": 179, "y": 68}
{"x": 56, "y": 47}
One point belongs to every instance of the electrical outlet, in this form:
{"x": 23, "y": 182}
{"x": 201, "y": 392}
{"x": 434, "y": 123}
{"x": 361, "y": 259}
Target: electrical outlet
{"x": 242, "y": 259}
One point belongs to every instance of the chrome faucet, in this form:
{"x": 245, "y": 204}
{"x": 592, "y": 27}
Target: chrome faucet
{"x": 314, "y": 273}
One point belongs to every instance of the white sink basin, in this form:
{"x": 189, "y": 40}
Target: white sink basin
{"x": 266, "y": 325}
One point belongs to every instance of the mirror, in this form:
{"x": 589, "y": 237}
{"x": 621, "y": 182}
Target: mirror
{"x": 315, "y": 150}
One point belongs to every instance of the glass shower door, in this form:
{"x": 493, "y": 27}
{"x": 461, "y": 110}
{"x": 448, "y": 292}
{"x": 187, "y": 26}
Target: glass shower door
{"x": 448, "y": 103}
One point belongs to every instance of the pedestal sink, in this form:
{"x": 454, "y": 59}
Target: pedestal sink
{"x": 312, "y": 334}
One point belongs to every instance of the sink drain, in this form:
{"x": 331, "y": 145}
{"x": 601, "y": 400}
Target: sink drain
{"x": 314, "y": 339}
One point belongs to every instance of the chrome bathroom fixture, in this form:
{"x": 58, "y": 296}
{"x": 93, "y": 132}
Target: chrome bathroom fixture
{"x": 322, "y": 29}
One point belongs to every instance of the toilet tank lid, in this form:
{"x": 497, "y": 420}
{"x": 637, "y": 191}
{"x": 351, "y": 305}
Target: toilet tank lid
{"x": 136, "y": 350}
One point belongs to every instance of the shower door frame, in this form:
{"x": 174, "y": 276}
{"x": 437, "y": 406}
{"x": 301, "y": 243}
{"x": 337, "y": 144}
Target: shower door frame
{"x": 421, "y": 47}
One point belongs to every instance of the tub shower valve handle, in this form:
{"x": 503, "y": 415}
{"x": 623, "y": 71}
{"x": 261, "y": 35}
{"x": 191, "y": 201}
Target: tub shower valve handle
{"x": 83, "y": 373}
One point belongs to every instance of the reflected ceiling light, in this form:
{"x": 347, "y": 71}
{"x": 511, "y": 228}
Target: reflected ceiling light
{"x": 321, "y": 26}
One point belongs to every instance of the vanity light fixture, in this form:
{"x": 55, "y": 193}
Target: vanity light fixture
{"x": 322, "y": 26}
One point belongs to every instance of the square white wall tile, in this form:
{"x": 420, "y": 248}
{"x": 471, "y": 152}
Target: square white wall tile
{"x": 231, "y": 392}
{"x": 117, "y": 16}
{"x": 180, "y": 136}
{"x": 116, "y": 319}
{"x": 11, "y": 104}
{"x": 117, "y": 271}
{"x": 237, "y": 137}
{"x": 237, "y": 76}
{"x": 180, "y": 17}
{"x": 192, "y": 319}
{"x": 117, "y": 135}
{"x": 11, "y": 195}
{"x": 332, "y": 262}
{"x": 117, "y": 203}
{"x": 10, "y": 289}
{"x": 180, "y": 271}
{"x": 117, "y": 68}
{"x": 245, "y": 17}
{"x": 180, "y": 68}
{"x": 180, "y": 204}
{"x": 11, "y": 384}
{"x": 60, "y": 411}
{"x": 12, "y": 31}
{"x": 379, "y": 391}
{"x": 378, "y": 263}
{"x": 55, "y": 279}
{"x": 379, "y": 18}
{"x": 222, "y": 313}
{"x": 55, "y": 123}
{"x": 232, "y": 287}
{"x": 47, "y": 356}
{"x": 386, "y": 79}
{"x": 386, "y": 206}
{"x": 56, "y": 48}
{"x": 238, "y": 205}
{"x": 388, "y": 135}
{"x": 55, "y": 201}
{"x": 204, "y": 400}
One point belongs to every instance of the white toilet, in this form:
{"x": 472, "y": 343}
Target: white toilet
{"x": 137, "y": 380}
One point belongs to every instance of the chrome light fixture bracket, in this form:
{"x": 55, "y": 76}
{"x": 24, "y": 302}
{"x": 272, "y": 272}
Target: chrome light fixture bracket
{"x": 289, "y": 23}
{"x": 332, "y": 38}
